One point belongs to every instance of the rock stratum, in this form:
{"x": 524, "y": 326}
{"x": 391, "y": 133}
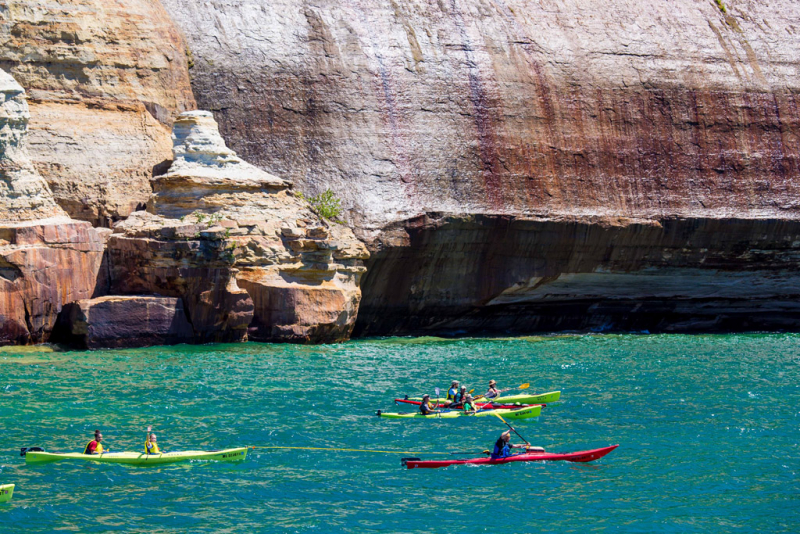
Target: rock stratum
{"x": 105, "y": 80}
{"x": 513, "y": 166}
{"x": 522, "y": 165}
{"x": 248, "y": 258}
{"x": 46, "y": 259}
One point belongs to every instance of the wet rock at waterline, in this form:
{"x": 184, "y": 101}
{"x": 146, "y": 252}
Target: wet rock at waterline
{"x": 120, "y": 322}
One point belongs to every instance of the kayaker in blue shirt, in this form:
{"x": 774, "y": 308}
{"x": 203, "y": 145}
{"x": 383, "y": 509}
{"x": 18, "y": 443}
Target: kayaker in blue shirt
{"x": 452, "y": 393}
{"x": 425, "y": 407}
{"x": 503, "y": 446}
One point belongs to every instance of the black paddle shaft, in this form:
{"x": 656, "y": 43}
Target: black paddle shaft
{"x": 517, "y": 433}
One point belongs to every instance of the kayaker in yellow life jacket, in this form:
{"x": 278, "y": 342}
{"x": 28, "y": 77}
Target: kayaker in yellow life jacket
{"x": 94, "y": 446}
{"x": 150, "y": 444}
{"x": 425, "y": 407}
{"x": 452, "y": 394}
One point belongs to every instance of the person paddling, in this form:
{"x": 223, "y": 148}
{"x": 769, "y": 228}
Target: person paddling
{"x": 452, "y": 393}
{"x": 492, "y": 392}
{"x": 503, "y": 446}
{"x": 151, "y": 444}
{"x": 469, "y": 404}
{"x": 94, "y": 446}
{"x": 425, "y": 407}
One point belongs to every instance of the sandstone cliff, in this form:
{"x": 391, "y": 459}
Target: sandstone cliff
{"x": 105, "y": 80}
{"x": 454, "y": 130}
{"x": 46, "y": 259}
{"x": 248, "y": 258}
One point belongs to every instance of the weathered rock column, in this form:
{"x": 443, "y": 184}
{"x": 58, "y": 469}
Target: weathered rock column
{"x": 46, "y": 259}
{"x": 247, "y": 256}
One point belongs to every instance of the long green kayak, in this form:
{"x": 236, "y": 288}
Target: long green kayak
{"x": 522, "y": 413}
{"x": 6, "y": 492}
{"x": 139, "y": 458}
{"x": 541, "y": 398}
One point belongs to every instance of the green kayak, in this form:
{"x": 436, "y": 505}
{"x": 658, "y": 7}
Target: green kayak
{"x": 522, "y": 413}
{"x": 542, "y": 398}
{"x": 139, "y": 458}
{"x": 6, "y": 492}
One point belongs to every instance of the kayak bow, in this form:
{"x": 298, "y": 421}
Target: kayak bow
{"x": 6, "y": 492}
{"x": 583, "y": 456}
{"x": 139, "y": 458}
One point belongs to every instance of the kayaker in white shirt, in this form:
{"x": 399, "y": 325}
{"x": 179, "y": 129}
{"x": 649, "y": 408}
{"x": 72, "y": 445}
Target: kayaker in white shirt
{"x": 492, "y": 392}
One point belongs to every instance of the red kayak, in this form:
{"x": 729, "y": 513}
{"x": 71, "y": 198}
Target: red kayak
{"x": 480, "y": 406}
{"x": 583, "y": 456}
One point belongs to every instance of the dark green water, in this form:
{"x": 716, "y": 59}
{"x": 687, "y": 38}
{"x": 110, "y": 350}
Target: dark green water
{"x": 708, "y": 427}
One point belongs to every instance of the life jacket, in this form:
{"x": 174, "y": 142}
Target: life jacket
{"x": 425, "y": 408}
{"x": 151, "y": 448}
{"x": 501, "y": 449}
{"x": 452, "y": 393}
{"x": 98, "y": 448}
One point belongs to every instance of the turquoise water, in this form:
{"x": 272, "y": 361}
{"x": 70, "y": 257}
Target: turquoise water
{"x": 707, "y": 427}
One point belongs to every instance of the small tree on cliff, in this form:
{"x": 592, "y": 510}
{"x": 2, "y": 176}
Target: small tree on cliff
{"x": 326, "y": 205}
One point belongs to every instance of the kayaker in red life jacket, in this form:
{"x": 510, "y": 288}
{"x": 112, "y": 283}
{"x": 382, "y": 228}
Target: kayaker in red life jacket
{"x": 425, "y": 407}
{"x": 492, "y": 392}
{"x": 503, "y": 446}
{"x": 94, "y": 446}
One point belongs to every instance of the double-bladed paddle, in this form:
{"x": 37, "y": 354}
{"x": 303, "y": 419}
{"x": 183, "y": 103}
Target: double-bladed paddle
{"x": 528, "y": 443}
{"x": 523, "y": 386}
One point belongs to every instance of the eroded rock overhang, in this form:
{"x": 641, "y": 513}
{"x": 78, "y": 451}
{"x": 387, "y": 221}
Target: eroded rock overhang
{"x": 455, "y": 275}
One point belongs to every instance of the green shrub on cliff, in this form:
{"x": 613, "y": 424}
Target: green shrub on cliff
{"x": 326, "y": 205}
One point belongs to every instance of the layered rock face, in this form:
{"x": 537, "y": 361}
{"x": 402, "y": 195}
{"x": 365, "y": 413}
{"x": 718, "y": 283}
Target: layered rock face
{"x": 248, "y": 258}
{"x": 105, "y": 80}
{"x": 672, "y": 115}
{"x": 115, "y": 321}
{"x": 46, "y": 259}
{"x": 502, "y": 274}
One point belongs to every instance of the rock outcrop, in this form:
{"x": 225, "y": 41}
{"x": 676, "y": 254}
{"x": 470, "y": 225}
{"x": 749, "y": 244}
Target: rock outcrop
{"x": 46, "y": 259}
{"x": 506, "y": 275}
{"x": 120, "y": 322}
{"x": 244, "y": 253}
{"x": 547, "y": 117}
{"x": 105, "y": 80}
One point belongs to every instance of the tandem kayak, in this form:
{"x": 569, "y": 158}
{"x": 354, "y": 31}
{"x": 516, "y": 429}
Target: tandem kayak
{"x": 583, "y": 456}
{"x": 139, "y": 458}
{"x": 479, "y": 405}
{"x": 541, "y": 398}
{"x": 6, "y": 492}
{"x": 520, "y": 413}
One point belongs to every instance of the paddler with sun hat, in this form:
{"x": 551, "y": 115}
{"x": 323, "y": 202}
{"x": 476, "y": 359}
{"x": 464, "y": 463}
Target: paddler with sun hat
{"x": 492, "y": 392}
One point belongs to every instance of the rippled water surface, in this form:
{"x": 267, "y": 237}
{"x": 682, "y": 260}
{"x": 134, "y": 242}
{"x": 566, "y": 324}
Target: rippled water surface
{"x": 707, "y": 427}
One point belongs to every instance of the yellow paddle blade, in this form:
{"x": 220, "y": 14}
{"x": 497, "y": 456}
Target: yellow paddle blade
{"x": 498, "y": 415}
{"x": 525, "y": 386}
